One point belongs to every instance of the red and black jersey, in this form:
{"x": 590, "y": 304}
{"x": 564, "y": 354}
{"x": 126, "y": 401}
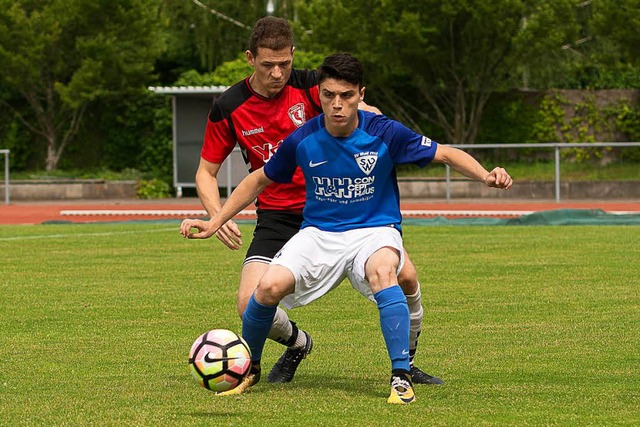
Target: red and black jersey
{"x": 259, "y": 125}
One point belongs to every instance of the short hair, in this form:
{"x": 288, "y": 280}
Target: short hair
{"x": 271, "y": 33}
{"x": 342, "y": 66}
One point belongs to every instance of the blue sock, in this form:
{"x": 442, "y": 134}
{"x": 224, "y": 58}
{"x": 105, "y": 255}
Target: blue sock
{"x": 394, "y": 321}
{"x": 256, "y": 324}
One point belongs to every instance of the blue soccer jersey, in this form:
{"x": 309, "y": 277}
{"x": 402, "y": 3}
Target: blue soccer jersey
{"x": 351, "y": 181}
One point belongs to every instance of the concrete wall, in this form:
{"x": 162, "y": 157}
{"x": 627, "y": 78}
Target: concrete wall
{"x": 69, "y": 190}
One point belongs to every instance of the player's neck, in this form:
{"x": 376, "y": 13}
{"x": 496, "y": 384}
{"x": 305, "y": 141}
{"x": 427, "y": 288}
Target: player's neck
{"x": 260, "y": 89}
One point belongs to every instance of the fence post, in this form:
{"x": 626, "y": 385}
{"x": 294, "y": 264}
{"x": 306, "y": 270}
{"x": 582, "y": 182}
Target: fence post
{"x": 448, "y": 181}
{"x": 6, "y": 176}
{"x": 557, "y": 169}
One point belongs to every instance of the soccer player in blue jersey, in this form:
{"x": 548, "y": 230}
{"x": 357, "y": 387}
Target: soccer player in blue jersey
{"x": 257, "y": 114}
{"x": 352, "y": 221}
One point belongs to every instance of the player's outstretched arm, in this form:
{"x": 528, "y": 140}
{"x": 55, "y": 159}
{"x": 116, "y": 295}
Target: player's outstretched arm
{"x": 470, "y": 167}
{"x": 244, "y": 194}
{"x": 207, "y": 186}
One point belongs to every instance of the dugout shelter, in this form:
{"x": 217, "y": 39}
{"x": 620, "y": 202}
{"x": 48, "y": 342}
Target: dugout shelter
{"x": 190, "y": 108}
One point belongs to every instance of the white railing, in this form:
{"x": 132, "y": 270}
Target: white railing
{"x": 556, "y": 147}
{"x": 6, "y": 175}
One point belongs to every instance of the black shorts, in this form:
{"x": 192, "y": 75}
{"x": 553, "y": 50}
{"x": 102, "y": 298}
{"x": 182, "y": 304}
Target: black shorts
{"x": 273, "y": 230}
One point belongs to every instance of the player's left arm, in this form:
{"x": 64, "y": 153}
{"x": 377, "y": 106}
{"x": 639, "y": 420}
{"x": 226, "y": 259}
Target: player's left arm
{"x": 471, "y": 168}
{"x": 244, "y": 194}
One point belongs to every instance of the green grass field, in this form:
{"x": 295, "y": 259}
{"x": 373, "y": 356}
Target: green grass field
{"x": 527, "y": 326}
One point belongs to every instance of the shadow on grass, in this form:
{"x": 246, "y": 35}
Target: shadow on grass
{"x": 350, "y": 385}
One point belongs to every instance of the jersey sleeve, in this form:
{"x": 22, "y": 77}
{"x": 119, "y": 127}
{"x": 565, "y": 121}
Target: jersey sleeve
{"x": 218, "y": 138}
{"x": 282, "y": 165}
{"x": 308, "y": 81}
{"x": 314, "y": 93}
{"x": 405, "y": 145}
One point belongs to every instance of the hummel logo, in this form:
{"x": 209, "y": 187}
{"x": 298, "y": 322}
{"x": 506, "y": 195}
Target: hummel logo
{"x": 215, "y": 359}
{"x": 253, "y": 131}
{"x": 313, "y": 165}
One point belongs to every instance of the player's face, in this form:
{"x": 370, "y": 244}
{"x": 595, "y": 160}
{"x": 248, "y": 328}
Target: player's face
{"x": 339, "y": 101}
{"x": 272, "y": 70}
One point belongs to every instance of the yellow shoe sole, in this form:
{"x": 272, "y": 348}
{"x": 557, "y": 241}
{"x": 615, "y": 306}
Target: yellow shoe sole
{"x": 395, "y": 398}
{"x": 249, "y": 381}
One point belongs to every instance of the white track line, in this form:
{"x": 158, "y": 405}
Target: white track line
{"x": 75, "y": 234}
{"x": 186, "y": 213}
{"x": 487, "y": 213}
{"x": 141, "y": 212}
{"x": 463, "y": 213}
{"x": 200, "y": 213}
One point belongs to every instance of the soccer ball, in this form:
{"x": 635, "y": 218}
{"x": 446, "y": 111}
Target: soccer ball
{"x": 219, "y": 360}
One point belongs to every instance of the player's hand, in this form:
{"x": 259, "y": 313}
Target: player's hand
{"x": 230, "y": 235}
{"x": 499, "y": 178}
{"x": 366, "y": 107}
{"x": 203, "y": 227}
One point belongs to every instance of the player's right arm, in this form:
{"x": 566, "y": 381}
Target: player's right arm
{"x": 471, "y": 168}
{"x": 219, "y": 141}
{"x": 209, "y": 194}
{"x": 244, "y": 194}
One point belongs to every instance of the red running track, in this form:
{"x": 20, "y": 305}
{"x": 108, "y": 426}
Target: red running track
{"x": 123, "y": 210}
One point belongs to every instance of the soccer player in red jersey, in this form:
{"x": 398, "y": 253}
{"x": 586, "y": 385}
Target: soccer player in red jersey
{"x": 257, "y": 114}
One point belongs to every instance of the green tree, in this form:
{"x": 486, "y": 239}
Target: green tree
{"x": 439, "y": 62}
{"x": 60, "y": 56}
{"x": 203, "y": 34}
{"x": 601, "y": 53}
{"x": 233, "y": 71}
{"x": 619, "y": 21}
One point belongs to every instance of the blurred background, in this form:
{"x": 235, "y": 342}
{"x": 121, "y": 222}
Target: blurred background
{"x": 74, "y": 76}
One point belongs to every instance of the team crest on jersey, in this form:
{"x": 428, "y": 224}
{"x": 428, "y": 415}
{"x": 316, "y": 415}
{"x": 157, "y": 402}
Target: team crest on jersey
{"x": 366, "y": 161}
{"x": 296, "y": 114}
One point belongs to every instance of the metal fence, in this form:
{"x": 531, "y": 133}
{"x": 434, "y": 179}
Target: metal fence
{"x": 6, "y": 175}
{"x": 556, "y": 146}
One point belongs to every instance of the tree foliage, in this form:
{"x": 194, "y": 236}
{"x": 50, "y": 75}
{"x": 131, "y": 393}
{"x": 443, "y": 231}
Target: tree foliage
{"x": 203, "y": 34}
{"x": 619, "y": 21}
{"x": 233, "y": 71}
{"x": 72, "y": 72}
{"x": 59, "y": 56}
{"x": 450, "y": 55}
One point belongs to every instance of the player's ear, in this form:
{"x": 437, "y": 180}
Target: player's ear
{"x": 250, "y": 58}
{"x": 362, "y": 93}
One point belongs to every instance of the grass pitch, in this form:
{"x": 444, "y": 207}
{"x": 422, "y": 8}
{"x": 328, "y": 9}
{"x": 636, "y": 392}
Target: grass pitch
{"x": 526, "y": 325}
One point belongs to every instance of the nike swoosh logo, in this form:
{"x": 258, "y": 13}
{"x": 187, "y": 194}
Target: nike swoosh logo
{"x": 216, "y": 359}
{"x": 405, "y": 352}
{"x": 313, "y": 165}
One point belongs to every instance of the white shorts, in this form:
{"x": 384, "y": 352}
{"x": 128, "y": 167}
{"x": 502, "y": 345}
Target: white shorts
{"x": 320, "y": 260}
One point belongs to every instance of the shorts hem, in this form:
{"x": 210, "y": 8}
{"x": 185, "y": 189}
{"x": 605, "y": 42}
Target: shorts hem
{"x": 257, "y": 258}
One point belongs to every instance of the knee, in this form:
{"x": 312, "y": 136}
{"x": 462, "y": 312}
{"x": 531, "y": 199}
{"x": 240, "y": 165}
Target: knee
{"x": 408, "y": 277}
{"x": 269, "y": 291}
{"x": 382, "y": 277}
